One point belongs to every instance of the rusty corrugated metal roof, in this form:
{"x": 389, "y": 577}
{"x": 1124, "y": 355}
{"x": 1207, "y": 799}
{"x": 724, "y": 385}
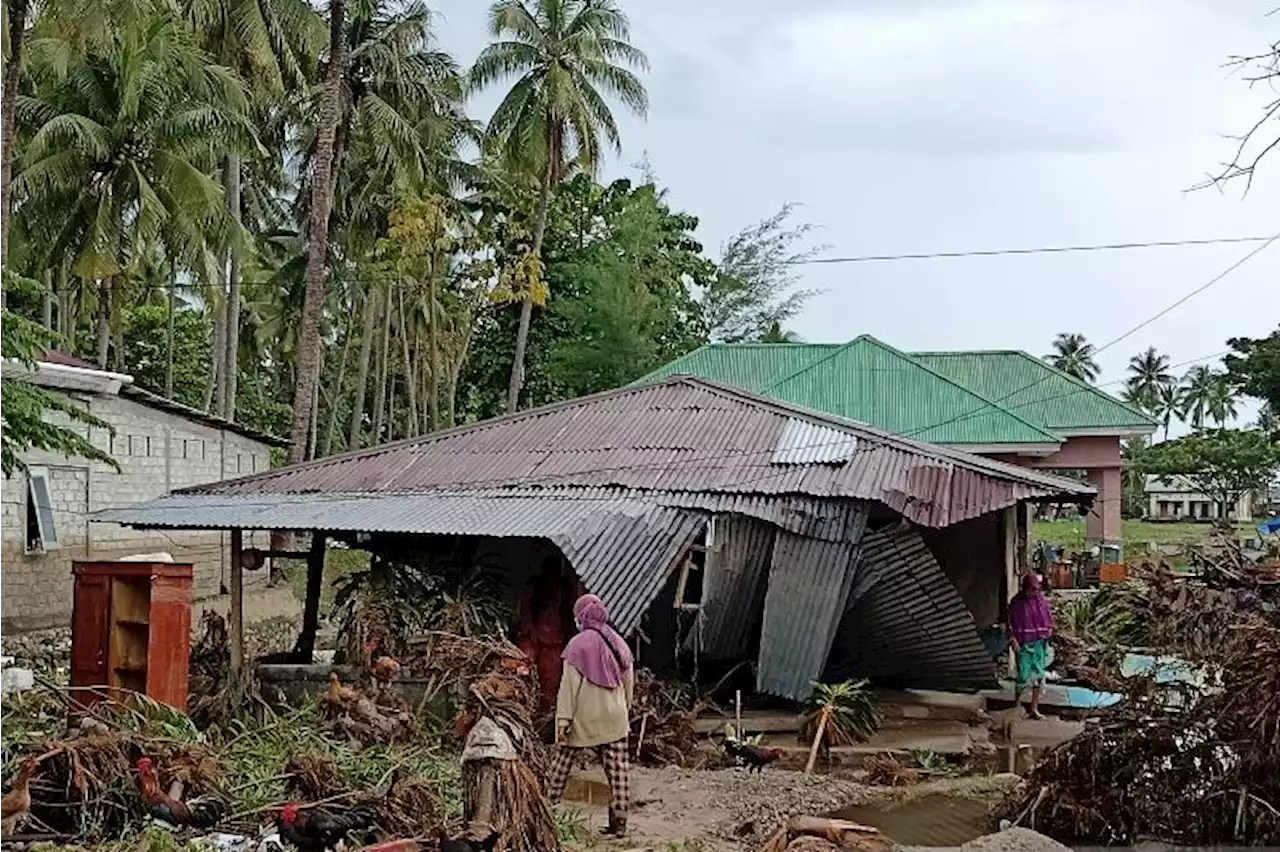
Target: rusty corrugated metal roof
{"x": 623, "y": 549}
{"x": 681, "y": 435}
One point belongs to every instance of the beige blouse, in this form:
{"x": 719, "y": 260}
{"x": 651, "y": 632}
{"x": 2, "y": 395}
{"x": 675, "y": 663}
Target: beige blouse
{"x": 596, "y": 715}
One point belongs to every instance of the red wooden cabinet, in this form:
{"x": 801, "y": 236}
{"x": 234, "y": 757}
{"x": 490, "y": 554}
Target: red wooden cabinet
{"x": 131, "y": 629}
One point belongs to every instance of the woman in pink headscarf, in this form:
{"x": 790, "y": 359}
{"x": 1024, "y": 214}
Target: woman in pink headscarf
{"x": 1030, "y": 623}
{"x": 593, "y": 708}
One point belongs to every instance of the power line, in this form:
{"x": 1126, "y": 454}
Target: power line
{"x": 940, "y": 255}
{"x": 1212, "y": 281}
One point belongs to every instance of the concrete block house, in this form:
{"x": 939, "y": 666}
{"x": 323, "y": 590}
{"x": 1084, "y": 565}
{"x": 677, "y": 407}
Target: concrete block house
{"x": 160, "y": 445}
{"x": 1002, "y": 404}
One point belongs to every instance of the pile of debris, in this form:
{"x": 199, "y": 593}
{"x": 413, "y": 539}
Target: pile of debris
{"x": 451, "y": 664}
{"x": 1197, "y": 767}
{"x": 662, "y": 722}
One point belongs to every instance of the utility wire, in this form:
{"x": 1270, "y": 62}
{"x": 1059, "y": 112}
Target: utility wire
{"x": 940, "y": 255}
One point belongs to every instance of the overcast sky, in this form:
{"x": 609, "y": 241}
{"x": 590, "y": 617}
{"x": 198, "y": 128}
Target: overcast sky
{"x": 941, "y": 125}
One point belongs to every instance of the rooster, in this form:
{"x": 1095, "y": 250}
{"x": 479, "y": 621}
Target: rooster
{"x": 203, "y": 812}
{"x": 15, "y": 807}
{"x": 317, "y": 830}
{"x": 755, "y": 757}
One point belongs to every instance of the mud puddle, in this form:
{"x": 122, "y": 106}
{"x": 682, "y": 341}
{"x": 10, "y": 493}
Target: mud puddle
{"x": 933, "y": 820}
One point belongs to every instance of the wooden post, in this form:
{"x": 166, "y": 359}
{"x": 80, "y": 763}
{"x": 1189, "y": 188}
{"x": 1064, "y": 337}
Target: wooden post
{"x": 1009, "y": 526}
{"x": 237, "y": 609}
{"x": 305, "y": 649}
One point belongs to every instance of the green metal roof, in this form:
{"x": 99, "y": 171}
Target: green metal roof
{"x": 984, "y": 397}
{"x": 1036, "y": 390}
{"x": 753, "y": 366}
{"x": 871, "y": 381}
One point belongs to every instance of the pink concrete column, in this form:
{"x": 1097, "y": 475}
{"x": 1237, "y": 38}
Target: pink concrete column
{"x": 1103, "y": 522}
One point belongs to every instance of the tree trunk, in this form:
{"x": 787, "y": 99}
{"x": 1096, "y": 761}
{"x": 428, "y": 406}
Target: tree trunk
{"x": 168, "y": 329}
{"x": 117, "y": 323}
{"x": 334, "y": 401}
{"x": 17, "y": 10}
{"x": 217, "y": 394}
{"x": 322, "y": 170}
{"x": 305, "y": 647}
{"x": 367, "y": 329}
{"x": 526, "y": 307}
{"x": 410, "y": 374}
{"x": 433, "y": 348}
{"x": 46, "y": 313}
{"x": 231, "y": 359}
{"x": 380, "y": 393}
{"x": 66, "y": 312}
{"x": 104, "y": 322}
{"x": 315, "y": 415}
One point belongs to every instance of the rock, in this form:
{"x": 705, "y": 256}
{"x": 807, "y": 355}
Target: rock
{"x": 16, "y": 679}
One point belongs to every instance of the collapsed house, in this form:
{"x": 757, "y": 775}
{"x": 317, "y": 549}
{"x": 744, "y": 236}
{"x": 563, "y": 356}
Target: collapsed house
{"x": 715, "y": 523}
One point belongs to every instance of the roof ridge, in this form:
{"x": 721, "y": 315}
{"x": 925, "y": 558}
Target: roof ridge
{"x": 826, "y": 418}
{"x": 947, "y": 379}
{"x": 1086, "y": 385}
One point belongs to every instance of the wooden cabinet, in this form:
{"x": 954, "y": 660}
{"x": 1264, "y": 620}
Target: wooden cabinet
{"x": 131, "y": 629}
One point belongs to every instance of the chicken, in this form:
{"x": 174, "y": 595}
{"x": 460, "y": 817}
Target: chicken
{"x": 202, "y": 812}
{"x": 755, "y": 757}
{"x": 385, "y": 670}
{"x": 476, "y": 837}
{"x": 15, "y": 807}
{"x": 339, "y": 698}
{"x": 316, "y": 830}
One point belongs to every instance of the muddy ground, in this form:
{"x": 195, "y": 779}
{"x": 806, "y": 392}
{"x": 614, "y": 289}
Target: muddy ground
{"x": 731, "y": 809}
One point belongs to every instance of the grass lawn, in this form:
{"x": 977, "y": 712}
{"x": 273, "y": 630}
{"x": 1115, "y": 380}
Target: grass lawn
{"x": 1069, "y": 533}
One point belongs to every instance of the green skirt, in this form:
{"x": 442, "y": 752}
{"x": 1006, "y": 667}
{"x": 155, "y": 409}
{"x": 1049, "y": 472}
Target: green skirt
{"x": 1033, "y": 663}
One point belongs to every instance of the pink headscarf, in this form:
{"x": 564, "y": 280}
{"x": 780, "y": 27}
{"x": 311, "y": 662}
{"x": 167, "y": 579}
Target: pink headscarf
{"x": 588, "y": 651}
{"x": 1030, "y": 615}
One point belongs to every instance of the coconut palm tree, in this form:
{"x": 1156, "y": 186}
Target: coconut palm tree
{"x": 1221, "y": 403}
{"x": 566, "y": 55}
{"x": 1148, "y": 372}
{"x": 1268, "y": 420}
{"x": 118, "y": 146}
{"x": 273, "y": 45}
{"x": 321, "y": 181}
{"x": 1073, "y": 354}
{"x": 1197, "y": 392}
{"x": 1168, "y": 405}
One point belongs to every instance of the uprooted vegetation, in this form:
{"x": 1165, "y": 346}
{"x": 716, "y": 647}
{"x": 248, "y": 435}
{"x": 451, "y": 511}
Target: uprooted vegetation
{"x": 1188, "y": 763}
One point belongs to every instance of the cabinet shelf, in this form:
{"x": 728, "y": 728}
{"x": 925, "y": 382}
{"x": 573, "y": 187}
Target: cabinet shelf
{"x": 134, "y": 622}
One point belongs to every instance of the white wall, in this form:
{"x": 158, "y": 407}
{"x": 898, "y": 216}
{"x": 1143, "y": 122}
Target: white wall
{"x": 157, "y": 452}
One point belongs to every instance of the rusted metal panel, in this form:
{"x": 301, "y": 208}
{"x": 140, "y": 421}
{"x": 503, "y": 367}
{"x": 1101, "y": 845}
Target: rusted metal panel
{"x": 683, "y": 435}
{"x": 809, "y": 582}
{"x": 905, "y": 622}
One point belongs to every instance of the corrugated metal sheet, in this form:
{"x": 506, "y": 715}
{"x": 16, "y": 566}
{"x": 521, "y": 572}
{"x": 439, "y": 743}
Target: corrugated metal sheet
{"x": 623, "y": 549}
{"x": 809, "y": 582}
{"x": 626, "y": 559}
{"x": 1035, "y": 390}
{"x": 746, "y": 365}
{"x": 734, "y": 584}
{"x": 905, "y": 623}
{"x": 684, "y": 435}
{"x": 871, "y": 381}
{"x": 805, "y": 442}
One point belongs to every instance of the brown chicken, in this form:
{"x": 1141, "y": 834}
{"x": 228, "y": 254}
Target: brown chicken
{"x": 339, "y": 698}
{"x": 385, "y": 670}
{"x": 15, "y": 807}
{"x": 204, "y": 812}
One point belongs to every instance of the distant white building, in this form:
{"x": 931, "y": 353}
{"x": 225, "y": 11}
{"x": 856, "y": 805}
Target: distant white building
{"x": 1172, "y": 498}
{"x": 160, "y": 445}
